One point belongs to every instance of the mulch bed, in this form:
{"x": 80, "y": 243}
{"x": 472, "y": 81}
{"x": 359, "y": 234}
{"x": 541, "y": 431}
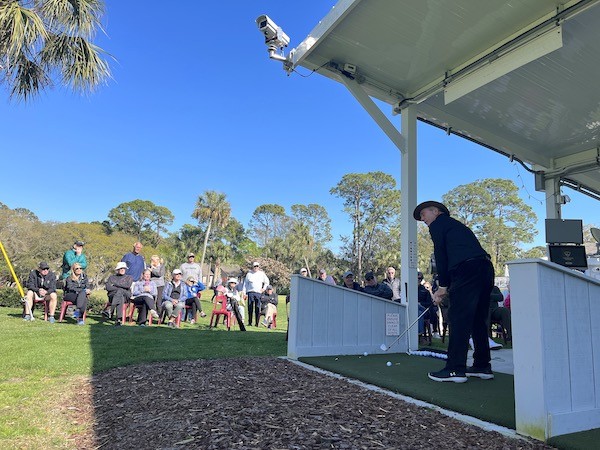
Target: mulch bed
{"x": 260, "y": 403}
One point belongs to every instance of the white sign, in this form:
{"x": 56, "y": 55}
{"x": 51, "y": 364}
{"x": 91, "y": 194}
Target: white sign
{"x": 392, "y": 324}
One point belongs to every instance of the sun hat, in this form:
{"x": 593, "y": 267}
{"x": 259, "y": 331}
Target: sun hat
{"x": 121, "y": 265}
{"x": 421, "y": 206}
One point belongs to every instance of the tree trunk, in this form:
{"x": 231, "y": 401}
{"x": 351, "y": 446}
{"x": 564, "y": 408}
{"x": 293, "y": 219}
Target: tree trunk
{"x": 204, "y": 248}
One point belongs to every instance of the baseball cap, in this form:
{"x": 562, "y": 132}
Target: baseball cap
{"x": 191, "y": 254}
{"x": 79, "y": 243}
{"x": 347, "y": 273}
{"x": 255, "y": 264}
{"x": 176, "y": 271}
{"x": 232, "y": 280}
{"x": 268, "y": 287}
{"x": 322, "y": 271}
{"x": 43, "y": 265}
{"x": 369, "y": 276}
{"x": 303, "y": 270}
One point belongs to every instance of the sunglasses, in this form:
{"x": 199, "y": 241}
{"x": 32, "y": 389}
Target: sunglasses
{"x": 77, "y": 268}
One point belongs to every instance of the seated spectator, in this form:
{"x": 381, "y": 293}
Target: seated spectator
{"x": 232, "y": 292}
{"x": 41, "y": 284}
{"x": 157, "y": 268}
{"x": 174, "y": 297}
{"x": 144, "y": 296}
{"x": 374, "y": 288}
{"x": 192, "y": 300}
{"x": 268, "y": 302}
{"x": 325, "y": 278}
{"x": 349, "y": 282}
{"x": 76, "y": 292}
{"x": 118, "y": 287}
{"x": 499, "y": 313}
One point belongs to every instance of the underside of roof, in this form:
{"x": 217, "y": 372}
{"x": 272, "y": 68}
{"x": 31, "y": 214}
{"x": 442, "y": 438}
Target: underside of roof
{"x": 519, "y": 77}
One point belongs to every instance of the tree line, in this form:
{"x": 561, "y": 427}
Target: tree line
{"x": 283, "y": 240}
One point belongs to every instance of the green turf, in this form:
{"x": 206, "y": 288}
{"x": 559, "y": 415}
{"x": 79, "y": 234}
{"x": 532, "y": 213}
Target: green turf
{"x": 489, "y": 400}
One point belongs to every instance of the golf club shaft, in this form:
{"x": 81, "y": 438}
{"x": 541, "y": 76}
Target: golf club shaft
{"x": 406, "y": 331}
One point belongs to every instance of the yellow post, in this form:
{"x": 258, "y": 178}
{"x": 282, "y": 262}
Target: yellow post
{"x": 12, "y": 271}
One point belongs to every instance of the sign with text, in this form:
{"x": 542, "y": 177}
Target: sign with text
{"x": 392, "y": 324}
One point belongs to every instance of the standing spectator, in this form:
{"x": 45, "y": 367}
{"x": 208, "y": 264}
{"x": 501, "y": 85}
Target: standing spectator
{"x": 348, "y": 281}
{"x": 304, "y": 272}
{"x": 326, "y": 278}
{"x": 433, "y": 315}
{"x": 269, "y": 306}
{"x": 77, "y": 291}
{"x": 174, "y": 297}
{"x": 425, "y": 301}
{"x": 135, "y": 262}
{"x": 393, "y": 283}
{"x": 254, "y": 285}
{"x": 374, "y": 288}
{"x": 465, "y": 274}
{"x": 157, "y": 274}
{"x": 500, "y": 313}
{"x": 41, "y": 284}
{"x": 118, "y": 287}
{"x": 144, "y": 296}
{"x": 191, "y": 269}
{"x": 72, "y": 256}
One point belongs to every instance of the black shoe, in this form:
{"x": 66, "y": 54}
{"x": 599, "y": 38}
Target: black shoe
{"x": 485, "y": 373}
{"x": 448, "y": 375}
{"x": 106, "y": 314}
{"x": 118, "y": 323}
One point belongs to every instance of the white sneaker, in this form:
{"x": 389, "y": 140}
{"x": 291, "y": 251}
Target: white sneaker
{"x": 494, "y": 345}
{"x": 471, "y": 344}
{"x": 437, "y": 335}
{"x": 154, "y": 314}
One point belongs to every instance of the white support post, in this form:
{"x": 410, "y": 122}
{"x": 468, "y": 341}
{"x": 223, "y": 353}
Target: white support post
{"x": 408, "y": 255}
{"x": 553, "y": 204}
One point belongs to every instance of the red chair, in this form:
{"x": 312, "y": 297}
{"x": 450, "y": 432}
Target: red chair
{"x": 133, "y": 307}
{"x": 220, "y": 311}
{"x": 124, "y": 313}
{"x": 63, "y": 309}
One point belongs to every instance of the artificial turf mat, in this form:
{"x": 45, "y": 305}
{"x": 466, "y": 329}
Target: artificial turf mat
{"x": 489, "y": 400}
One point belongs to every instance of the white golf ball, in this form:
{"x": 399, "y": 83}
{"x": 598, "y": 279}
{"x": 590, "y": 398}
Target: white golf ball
{"x": 365, "y": 354}
{"x": 389, "y": 363}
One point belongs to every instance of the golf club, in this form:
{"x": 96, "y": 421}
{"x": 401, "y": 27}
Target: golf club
{"x": 385, "y": 349}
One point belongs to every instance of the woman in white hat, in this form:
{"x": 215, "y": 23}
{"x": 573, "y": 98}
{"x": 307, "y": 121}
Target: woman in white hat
{"x": 118, "y": 287}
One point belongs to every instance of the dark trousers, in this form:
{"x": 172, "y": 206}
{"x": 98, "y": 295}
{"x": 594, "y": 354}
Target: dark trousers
{"x": 502, "y": 315}
{"x": 145, "y": 303}
{"x": 253, "y": 305}
{"x": 117, "y": 300}
{"x": 470, "y": 288}
{"x": 194, "y": 302}
{"x": 79, "y": 299}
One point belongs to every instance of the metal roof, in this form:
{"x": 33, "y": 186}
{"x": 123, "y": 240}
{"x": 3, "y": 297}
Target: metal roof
{"x": 520, "y": 77}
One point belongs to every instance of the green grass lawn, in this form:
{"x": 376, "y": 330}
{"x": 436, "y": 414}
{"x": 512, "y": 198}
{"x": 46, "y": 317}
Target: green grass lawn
{"x": 40, "y": 362}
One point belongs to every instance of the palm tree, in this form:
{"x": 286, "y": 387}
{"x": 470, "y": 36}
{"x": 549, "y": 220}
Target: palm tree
{"x": 213, "y": 208}
{"x": 41, "y": 37}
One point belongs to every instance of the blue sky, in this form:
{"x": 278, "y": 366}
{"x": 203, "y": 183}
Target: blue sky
{"x": 195, "y": 104}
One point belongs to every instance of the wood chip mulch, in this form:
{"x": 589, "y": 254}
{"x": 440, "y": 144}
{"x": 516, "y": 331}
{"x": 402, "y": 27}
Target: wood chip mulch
{"x": 261, "y": 403}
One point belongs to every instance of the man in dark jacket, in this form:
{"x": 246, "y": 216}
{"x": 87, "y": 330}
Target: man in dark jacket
{"x": 268, "y": 301}
{"x": 41, "y": 284}
{"x": 348, "y": 281}
{"x": 467, "y": 276}
{"x": 118, "y": 287}
{"x": 374, "y": 288}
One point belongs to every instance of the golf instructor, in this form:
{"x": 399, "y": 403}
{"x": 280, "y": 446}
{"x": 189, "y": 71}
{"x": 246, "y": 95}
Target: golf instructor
{"x": 466, "y": 275}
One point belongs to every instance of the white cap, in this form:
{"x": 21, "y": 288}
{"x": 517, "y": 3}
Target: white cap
{"x": 177, "y": 271}
{"x": 121, "y": 265}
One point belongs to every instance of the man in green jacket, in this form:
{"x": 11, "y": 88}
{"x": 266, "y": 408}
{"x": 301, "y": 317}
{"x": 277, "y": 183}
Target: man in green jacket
{"x": 72, "y": 256}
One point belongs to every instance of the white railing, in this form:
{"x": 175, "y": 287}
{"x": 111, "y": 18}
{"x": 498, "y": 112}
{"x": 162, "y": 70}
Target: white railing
{"x": 332, "y": 320}
{"x": 556, "y": 348}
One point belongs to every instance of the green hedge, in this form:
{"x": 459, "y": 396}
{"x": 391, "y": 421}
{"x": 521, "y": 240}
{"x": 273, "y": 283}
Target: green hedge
{"x": 10, "y": 297}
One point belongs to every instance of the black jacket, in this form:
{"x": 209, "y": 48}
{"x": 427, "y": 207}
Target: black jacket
{"x": 453, "y": 243}
{"x": 37, "y": 281}
{"x": 76, "y": 286}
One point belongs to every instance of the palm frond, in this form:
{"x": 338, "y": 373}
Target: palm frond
{"x": 21, "y": 29}
{"x": 27, "y": 79}
{"x": 73, "y": 17}
{"x": 79, "y": 60}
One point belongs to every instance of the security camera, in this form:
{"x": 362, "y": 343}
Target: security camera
{"x": 275, "y": 38}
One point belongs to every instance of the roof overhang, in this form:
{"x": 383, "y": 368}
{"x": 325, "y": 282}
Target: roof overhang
{"x": 518, "y": 77}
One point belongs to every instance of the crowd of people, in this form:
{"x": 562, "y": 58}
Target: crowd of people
{"x": 145, "y": 286}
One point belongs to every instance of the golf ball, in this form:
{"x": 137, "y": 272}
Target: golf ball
{"x": 383, "y": 347}
{"x": 389, "y": 363}
{"x": 365, "y": 354}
